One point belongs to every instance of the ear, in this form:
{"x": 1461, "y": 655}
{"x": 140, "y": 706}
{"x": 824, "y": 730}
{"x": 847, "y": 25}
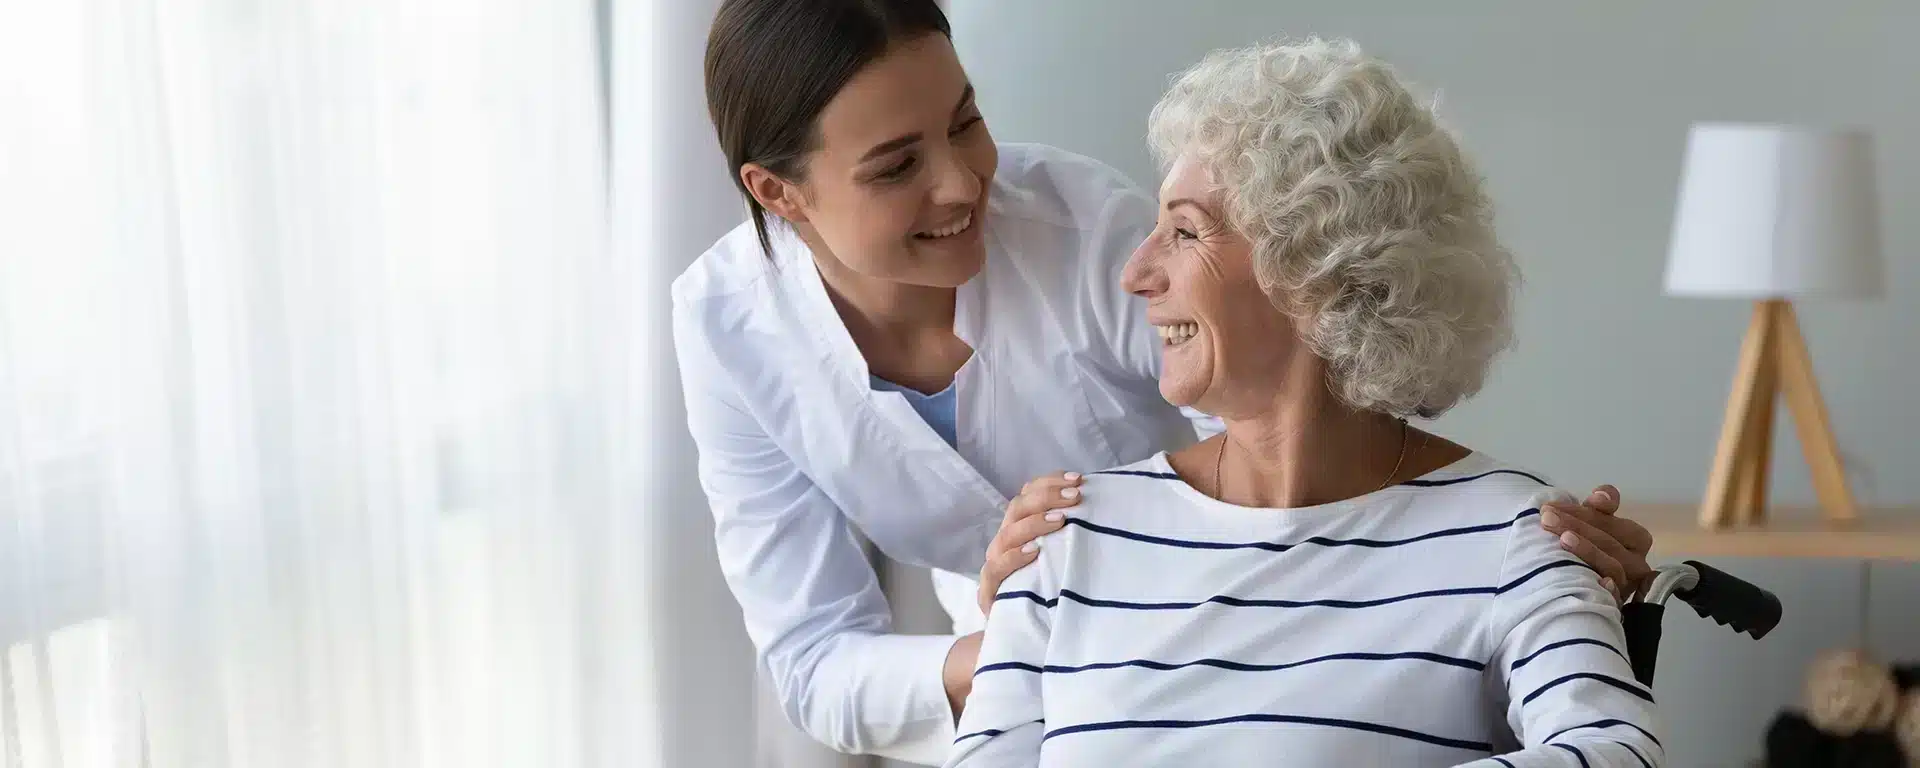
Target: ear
{"x": 777, "y": 195}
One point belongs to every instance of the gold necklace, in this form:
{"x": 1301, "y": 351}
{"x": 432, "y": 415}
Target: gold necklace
{"x": 1220, "y": 456}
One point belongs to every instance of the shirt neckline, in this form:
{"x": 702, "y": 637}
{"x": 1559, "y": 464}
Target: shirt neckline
{"x": 1474, "y": 462}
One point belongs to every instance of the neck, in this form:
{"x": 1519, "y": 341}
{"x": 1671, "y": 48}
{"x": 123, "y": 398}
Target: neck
{"x": 1304, "y": 453}
{"x": 880, "y": 310}
{"x": 904, "y": 332}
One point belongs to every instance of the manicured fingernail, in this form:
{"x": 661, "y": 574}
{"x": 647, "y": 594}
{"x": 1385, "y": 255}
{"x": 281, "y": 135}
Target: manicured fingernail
{"x": 1568, "y": 539}
{"x": 1054, "y": 517}
{"x": 1072, "y": 476}
{"x": 1031, "y": 547}
{"x": 1069, "y": 493}
{"x": 1549, "y": 516}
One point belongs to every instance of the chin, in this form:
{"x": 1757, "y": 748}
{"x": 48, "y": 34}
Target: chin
{"x": 949, "y": 270}
{"x": 1177, "y": 394}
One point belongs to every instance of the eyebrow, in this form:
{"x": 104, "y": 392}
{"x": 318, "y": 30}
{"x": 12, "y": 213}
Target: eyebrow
{"x": 907, "y": 140}
{"x": 1177, "y": 202}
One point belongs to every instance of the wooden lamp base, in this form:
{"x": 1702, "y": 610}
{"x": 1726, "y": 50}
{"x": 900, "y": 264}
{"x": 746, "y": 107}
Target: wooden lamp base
{"x": 1773, "y": 362}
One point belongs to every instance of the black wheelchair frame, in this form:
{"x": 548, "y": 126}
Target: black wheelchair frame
{"x": 1713, "y": 593}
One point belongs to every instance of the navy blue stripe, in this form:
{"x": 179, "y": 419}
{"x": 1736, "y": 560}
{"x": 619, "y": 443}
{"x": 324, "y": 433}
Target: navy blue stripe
{"x": 1316, "y": 540}
{"x": 1242, "y": 602}
{"x": 1512, "y": 585}
{"x": 1357, "y": 725}
{"x": 1503, "y": 761}
{"x": 1139, "y": 473}
{"x": 1163, "y": 666}
{"x": 1576, "y": 753}
{"x": 1458, "y": 480}
{"x": 1563, "y": 644}
{"x": 1025, "y": 595}
{"x": 989, "y": 733}
{"x": 1622, "y": 685}
{"x": 1608, "y": 723}
{"x": 1635, "y": 753}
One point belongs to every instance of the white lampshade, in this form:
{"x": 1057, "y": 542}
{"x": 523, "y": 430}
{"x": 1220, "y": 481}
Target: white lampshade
{"x": 1769, "y": 211}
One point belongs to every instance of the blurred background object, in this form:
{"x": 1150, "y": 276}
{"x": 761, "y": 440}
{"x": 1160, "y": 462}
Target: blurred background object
{"x": 1775, "y": 213}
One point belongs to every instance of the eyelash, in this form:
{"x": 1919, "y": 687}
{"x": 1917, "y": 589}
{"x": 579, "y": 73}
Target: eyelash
{"x": 1182, "y": 234}
{"x": 900, "y": 169}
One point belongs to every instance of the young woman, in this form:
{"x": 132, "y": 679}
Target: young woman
{"x": 914, "y": 325}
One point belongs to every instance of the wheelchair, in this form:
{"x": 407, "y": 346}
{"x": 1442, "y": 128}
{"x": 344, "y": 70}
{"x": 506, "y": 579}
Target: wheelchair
{"x": 1712, "y": 593}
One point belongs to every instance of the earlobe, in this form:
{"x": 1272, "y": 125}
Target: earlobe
{"x": 777, "y": 195}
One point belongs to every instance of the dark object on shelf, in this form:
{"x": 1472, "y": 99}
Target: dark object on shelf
{"x": 1906, "y": 676}
{"x": 1793, "y": 742}
{"x": 1869, "y": 749}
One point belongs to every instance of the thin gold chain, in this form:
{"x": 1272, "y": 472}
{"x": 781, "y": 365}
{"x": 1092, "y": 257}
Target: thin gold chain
{"x": 1220, "y": 456}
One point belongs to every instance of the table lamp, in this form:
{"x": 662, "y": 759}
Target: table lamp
{"x": 1774, "y": 213}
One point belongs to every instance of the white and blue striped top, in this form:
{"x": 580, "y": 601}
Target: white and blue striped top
{"x": 1433, "y": 623}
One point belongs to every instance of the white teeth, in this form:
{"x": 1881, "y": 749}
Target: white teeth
{"x": 1178, "y": 333}
{"x": 949, "y": 231}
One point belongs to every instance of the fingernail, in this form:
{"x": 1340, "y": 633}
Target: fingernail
{"x": 1069, "y": 493}
{"x": 1072, "y": 476}
{"x": 1608, "y": 583}
{"x": 1031, "y": 547}
{"x": 1055, "y": 517}
{"x": 1602, "y": 496}
{"x": 1568, "y": 539}
{"x": 1549, "y": 516}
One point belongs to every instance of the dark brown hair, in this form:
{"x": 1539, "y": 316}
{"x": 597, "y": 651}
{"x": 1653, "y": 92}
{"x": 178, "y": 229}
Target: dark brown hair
{"x": 772, "y": 66}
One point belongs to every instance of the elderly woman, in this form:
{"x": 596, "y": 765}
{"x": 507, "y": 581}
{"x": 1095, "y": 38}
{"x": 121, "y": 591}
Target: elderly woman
{"x": 1324, "y": 266}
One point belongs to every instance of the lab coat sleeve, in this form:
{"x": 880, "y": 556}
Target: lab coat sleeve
{"x": 1123, "y": 223}
{"x": 1004, "y": 720}
{"x": 1573, "y": 701}
{"x": 811, "y": 602}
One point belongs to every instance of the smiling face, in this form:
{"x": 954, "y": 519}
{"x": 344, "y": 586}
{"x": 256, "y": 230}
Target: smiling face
{"x": 1225, "y": 347}
{"x": 897, "y": 188}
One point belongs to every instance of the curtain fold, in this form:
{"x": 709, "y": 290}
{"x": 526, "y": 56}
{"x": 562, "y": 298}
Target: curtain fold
{"x": 324, "y": 436}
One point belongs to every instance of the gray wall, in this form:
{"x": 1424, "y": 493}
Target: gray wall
{"x": 1578, "y": 114}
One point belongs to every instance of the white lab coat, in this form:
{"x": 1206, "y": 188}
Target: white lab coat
{"x": 799, "y": 456}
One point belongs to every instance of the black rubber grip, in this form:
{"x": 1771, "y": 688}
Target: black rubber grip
{"x": 1731, "y": 601}
{"x": 1642, "y": 624}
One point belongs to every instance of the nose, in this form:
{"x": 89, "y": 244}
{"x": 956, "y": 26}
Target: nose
{"x": 1143, "y": 276}
{"x": 956, "y": 184}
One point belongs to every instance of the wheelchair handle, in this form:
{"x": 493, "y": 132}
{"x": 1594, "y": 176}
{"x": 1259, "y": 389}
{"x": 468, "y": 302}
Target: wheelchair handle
{"x": 1712, "y": 592}
{"x": 1727, "y": 599}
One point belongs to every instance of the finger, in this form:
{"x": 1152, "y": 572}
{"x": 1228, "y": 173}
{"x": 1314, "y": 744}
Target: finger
{"x": 1582, "y": 524}
{"x": 1624, "y": 539}
{"x": 1604, "y": 499}
{"x": 1042, "y": 494}
{"x": 1609, "y": 569}
{"x": 1044, "y": 509}
{"x": 1632, "y": 535}
{"x": 1027, "y": 529}
{"x": 999, "y": 568}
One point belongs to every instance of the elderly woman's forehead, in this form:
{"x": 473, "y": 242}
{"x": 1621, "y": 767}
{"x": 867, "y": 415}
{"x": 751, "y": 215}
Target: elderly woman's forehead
{"x": 1186, "y": 179}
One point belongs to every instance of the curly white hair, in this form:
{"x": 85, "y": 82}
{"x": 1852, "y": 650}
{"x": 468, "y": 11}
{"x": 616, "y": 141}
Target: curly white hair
{"x": 1368, "y": 225}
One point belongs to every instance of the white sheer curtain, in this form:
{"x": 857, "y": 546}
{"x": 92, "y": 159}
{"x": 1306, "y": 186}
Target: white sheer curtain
{"x": 326, "y": 429}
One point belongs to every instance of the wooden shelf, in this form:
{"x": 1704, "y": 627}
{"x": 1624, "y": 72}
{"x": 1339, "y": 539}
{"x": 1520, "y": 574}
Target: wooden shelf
{"x": 1793, "y": 532}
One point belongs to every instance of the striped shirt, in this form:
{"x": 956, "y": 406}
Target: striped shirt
{"x": 1433, "y": 623}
